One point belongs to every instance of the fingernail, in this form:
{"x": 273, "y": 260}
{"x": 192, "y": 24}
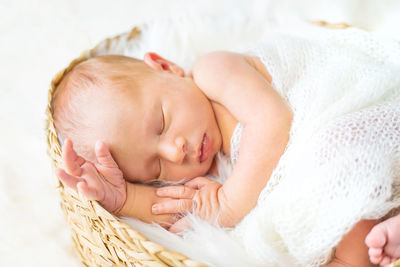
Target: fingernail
{"x": 154, "y": 208}
{"x": 161, "y": 191}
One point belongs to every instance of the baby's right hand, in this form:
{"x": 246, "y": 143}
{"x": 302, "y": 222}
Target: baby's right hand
{"x": 102, "y": 181}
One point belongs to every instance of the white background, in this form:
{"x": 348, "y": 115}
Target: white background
{"x": 39, "y": 38}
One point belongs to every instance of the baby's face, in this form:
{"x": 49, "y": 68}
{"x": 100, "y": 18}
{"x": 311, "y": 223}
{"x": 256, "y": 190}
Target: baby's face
{"x": 166, "y": 130}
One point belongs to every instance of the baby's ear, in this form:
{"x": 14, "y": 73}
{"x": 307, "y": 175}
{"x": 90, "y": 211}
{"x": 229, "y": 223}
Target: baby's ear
{"x": 157, "y": 62}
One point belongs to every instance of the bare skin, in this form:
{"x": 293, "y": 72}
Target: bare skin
{"x": 230, "y": 103}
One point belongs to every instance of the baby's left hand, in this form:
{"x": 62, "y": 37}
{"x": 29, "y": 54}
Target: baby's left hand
{"x": 204, "y": 197}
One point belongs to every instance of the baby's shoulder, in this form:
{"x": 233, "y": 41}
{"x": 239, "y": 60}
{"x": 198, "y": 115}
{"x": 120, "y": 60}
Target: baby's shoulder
{"x": 216, "y": 72}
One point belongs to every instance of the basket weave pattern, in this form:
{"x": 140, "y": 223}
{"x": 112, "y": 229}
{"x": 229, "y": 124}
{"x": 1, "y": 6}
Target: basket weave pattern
{"x": 100, "y": 239}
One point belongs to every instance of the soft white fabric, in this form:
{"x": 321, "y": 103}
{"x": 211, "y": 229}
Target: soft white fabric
{"x": 39, "y": 38}
{"x": 342, "y": 163}
{"x": 235, "y": 143}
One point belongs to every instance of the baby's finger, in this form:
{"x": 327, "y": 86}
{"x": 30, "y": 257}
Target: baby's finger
{"x": 72, "y": 162}
{"x": 93, "y": 179}
{"x": 176, "y": 191}
{"x": 88, "y": 192}
{"x": 198, "y": 182}
{"x": 375, "y": 252}
{"x": 181, "y": 225}
{"x": 67, "y": 179}
{"x": 385, "y": 261}
{"x": 375, "y": 260}
{"x": 173, "y": 206}
{"x": 104, "y": 156}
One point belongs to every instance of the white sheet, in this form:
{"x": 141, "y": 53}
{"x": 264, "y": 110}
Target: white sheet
{"x": 38, "y": 38}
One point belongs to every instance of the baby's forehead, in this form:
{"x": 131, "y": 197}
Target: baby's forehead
{"x": 105, "y": 85}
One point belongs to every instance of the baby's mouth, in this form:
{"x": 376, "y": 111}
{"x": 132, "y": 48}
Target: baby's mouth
{"x": 205, "y": 148}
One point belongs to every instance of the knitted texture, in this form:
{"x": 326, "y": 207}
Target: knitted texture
{"x": 342, "y": 163}
{"x": 235, "y": 143}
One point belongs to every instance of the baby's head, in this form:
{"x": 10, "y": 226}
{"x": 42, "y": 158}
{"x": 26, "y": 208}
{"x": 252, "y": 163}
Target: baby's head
{"x": 156, "y": 121}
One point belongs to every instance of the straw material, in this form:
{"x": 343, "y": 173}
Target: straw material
{"x": 100, "y": 239}
{"x": 331, "y": 25}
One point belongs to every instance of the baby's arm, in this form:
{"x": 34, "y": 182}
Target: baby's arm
{"x": 233, "y": 81}
{"x": 104, "y": 182}
{"x": 138, "y": 204}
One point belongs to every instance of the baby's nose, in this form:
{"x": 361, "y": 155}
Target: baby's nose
{"x": 174, "y": 151}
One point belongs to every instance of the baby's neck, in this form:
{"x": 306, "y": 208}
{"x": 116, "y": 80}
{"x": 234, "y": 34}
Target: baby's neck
{"x": 226, "y": 123}
{"x": 214, "y": 167}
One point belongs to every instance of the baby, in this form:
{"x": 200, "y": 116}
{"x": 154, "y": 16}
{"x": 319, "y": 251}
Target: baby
{"x": 162, "y": 126}
{"x": 158, "y": 125}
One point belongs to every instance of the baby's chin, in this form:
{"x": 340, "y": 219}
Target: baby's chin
{"x": 213, "y": 167}
{"x": 205, "y": 167}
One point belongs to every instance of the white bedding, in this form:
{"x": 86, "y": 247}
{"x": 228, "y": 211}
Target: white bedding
{"x": 41, "y": 37}
{"x": 341, "y": 164}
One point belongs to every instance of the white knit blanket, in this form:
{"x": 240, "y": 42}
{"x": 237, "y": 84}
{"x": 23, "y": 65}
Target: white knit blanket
{"x": 342, "y": 163}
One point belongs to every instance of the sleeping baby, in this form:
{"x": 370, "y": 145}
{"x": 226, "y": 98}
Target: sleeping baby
{"x": 132, "y": 125}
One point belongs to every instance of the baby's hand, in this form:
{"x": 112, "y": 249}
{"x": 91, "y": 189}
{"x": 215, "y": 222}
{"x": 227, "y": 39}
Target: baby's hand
{"x": 102, "y": 181}
{"x": 203, "y": 196}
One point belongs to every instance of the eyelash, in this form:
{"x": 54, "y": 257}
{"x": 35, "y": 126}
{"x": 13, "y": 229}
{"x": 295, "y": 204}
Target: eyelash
{"x": 162, "y": 121}
{"x": 159, "y": 175}
{"x": 162, "y": 130}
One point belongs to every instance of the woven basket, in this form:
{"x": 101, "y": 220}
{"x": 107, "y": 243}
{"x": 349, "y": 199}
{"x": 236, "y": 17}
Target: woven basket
{"x": 100, "y": 238}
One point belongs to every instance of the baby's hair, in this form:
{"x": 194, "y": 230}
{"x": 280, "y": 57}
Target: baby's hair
{"x": 92, "y": 77}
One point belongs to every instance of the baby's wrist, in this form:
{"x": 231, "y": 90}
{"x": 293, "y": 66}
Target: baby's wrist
{"x": 126, "y": 208}
{"x": 234, "y": 210}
